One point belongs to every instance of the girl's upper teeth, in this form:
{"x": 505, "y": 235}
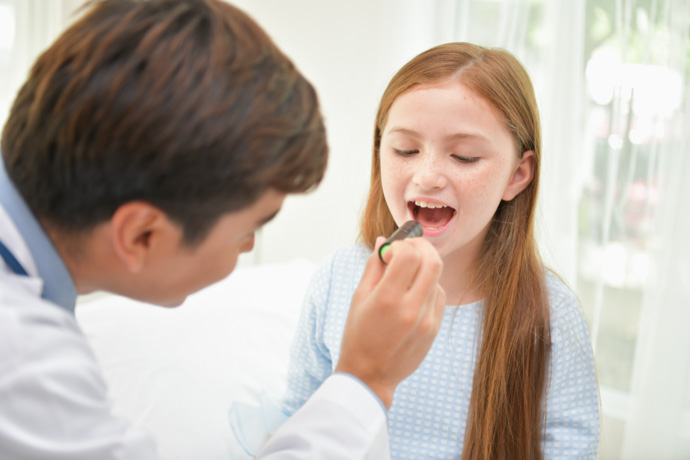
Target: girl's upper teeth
{"x": 428, "y": 204}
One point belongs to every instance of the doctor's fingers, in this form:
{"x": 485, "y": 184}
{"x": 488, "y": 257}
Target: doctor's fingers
{"x": 412, "y": 269}
{"x": 431, "y": 308}
{"x": 421, "y": 327}
{"x": 418, "y": 296}
{"x": 425, "y": 280}
{"x": 373, "y": 271}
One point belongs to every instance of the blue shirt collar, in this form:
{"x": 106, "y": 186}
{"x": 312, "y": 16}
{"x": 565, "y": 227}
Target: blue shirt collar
{"x": 58, "y": 286}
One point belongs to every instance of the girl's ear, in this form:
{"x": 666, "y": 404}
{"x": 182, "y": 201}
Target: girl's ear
{"x": 140, "y": 231}
{"x": 522, "y": 176}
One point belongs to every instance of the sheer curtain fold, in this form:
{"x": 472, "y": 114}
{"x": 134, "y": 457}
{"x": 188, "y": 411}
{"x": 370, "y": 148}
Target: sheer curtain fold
{"x": 657, "y": 425}
{"x": 611, "y": 78}
{"x": 35, "y": 24}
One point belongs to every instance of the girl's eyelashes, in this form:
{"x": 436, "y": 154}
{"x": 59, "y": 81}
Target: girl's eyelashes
{"x": 462, "y": 159}
{"x": 405, "y": 153}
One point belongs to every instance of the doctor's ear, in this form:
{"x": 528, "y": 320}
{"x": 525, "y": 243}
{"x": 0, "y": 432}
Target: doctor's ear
{"x": 141, "y": 232}
{"x": 522, "y": 176}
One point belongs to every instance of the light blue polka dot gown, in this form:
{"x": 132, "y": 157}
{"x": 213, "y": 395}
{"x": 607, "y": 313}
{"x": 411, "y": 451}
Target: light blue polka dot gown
{"x": 429, "y": 413}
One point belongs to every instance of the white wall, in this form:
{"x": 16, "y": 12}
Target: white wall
{"x": 348, "y": 50}
{"x": 335, "y": 46}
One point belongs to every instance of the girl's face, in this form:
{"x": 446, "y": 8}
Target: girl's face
{"x": 447, "y": 161}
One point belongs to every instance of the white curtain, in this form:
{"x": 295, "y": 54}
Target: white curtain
{"x": 658, "y": 424}
{"x": 612, "y": 81}
{"x": 27, "y": 27}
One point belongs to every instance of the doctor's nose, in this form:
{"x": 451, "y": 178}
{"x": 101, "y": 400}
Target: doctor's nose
{"x": 429, "y": 173}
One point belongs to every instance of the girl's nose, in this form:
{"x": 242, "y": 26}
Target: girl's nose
{"x": 429, "y": 173}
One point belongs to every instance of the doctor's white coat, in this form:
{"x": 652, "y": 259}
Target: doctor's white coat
{"x": 54, "y": 401}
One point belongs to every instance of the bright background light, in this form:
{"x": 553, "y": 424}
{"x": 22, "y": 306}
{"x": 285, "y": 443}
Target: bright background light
{"x": 6, "y": 27}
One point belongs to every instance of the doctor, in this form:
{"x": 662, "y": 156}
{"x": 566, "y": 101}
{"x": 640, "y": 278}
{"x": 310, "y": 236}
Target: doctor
{"x": 148, "y": 144}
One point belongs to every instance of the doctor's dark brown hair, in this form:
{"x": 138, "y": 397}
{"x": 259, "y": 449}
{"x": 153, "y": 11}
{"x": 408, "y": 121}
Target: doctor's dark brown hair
{"x": 506, "y": 414}
{"x": 185, "y": 104}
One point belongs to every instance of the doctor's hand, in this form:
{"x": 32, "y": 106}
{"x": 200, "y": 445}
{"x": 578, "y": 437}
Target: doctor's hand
{"x": 394, "y": 317}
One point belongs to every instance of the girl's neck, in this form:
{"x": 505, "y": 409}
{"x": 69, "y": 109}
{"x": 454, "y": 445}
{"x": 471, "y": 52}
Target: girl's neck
{"x": 459, "y": 292}
{"x": 456, "y": 280}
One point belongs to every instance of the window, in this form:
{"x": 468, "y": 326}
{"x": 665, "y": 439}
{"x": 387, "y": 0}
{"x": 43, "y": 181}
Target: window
{"x": 612, "y": 83}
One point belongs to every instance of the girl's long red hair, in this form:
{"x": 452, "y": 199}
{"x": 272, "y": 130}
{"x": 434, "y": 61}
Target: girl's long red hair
{"x": 507, "y": 403}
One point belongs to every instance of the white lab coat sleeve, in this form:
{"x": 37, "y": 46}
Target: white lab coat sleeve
{"x": 53, "y": 399}
{"x": 342, "y": 420}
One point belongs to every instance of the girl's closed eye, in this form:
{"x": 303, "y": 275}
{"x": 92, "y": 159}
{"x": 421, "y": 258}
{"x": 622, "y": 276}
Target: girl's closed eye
{"x": 465, "y": 159}
{"x": 405, "y": 153}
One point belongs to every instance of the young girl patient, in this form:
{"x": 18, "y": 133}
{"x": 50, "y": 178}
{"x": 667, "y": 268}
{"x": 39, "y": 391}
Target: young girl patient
{"x": 511, "y": 375}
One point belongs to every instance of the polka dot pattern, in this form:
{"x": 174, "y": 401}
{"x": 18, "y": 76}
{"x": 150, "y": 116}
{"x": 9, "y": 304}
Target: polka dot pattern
{"x": 429, "y": 413}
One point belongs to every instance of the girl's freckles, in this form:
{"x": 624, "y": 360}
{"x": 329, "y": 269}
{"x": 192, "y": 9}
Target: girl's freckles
{"x": 460, "y": 158}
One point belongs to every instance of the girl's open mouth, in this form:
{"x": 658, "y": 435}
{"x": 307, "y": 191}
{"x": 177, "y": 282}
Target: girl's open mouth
{"x": 433, "y": 216}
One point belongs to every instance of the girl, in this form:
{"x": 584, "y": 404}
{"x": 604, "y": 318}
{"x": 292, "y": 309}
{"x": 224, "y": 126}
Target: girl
{"x": 511, "y": 374}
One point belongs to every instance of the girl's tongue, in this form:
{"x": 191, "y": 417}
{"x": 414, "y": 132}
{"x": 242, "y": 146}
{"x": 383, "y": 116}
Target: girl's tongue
{"x": 433, "y": 218}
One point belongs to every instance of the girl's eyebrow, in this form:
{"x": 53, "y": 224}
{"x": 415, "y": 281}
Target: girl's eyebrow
{"x": 450, "y": 137}
{"x": 406, "y": 131}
